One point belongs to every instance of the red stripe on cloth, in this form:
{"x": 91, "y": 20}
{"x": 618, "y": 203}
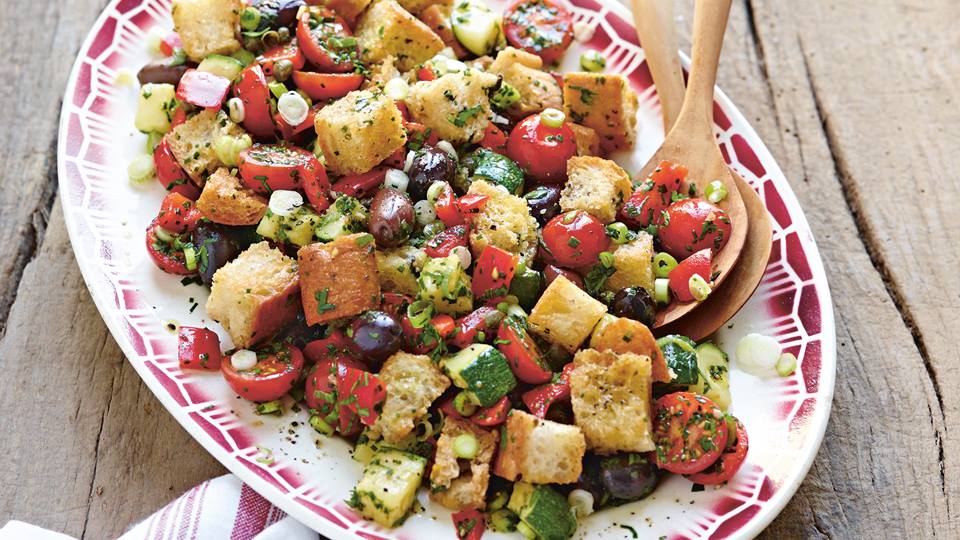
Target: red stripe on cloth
{"x": 252, "y": 511}
{"x": 195, "y": 527}
{"x": 183, "y": 527}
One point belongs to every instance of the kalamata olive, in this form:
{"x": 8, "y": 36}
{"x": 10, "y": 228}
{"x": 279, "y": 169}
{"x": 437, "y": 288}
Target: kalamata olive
{"x": 299, "y": 334}
{"x": 287, "y": 12}
{"x": 634, "y": 303}
{"x": 376, "y": 335}
{"x": 590, "y": 479}
{"x": 391, "y": 217}
{"x": 215, "y": 249}
{"x": 161, "y": 72}
{"x": 429, "y": 165}
{"x": 628, "y": 476}
{"x": 544, "y": 203}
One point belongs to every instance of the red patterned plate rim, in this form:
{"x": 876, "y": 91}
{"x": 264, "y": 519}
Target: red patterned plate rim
{"x": 793, "y": 303}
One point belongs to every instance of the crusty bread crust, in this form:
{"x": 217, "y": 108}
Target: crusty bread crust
{"x": 540, "y": 451}
{"x": 345, "y": 272}
{"x": 565, "y": 314}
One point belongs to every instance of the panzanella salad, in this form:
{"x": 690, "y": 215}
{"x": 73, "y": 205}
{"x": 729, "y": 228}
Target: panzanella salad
{"x": 408, "y": 224}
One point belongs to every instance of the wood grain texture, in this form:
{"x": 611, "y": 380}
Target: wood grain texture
{"x": 857, "y": 101}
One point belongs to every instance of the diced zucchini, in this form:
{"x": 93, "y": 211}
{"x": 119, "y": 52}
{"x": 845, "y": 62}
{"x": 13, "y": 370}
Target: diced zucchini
{"x": 476, "y": 26}
{"x": 345, "y": 216}
{"x": 503, "y": 521}
{"x": 482, "y": 371}
{"x": 496, "y": 169}
{"x": 244, "y": 56}
{"x": 544, "y": 510}
{"x": 714, "y": 380}
{"x": 446, "y": 284}
{"x": 366, "y": 447}
{"x": 296, "y": 228}
{"x": 681, "y": 357}
{"x": 225, "y": 66}
{"x": 389, "y": 486}
{"x": 155, "y": 107}
{"x": 526, "y": 285}
{"x": 520, "y": 496}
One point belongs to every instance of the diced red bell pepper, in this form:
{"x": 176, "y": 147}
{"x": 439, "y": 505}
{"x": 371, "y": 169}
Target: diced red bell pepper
{"x": 198, "y": 348}
{"x": 470, "y": 524}
{"x": 539, "y": 399}
{"x": 493, "y": 415}
{"x": 442, "y": 243}
{"x": 419, "y": 135}
{"x": 426, "y": 73}
{"x": 203, "y": 89}
{"x": 361, "y": 185}
{"x": 288, "y": 51}
{"x": 469, "y": 327}
{"x": 522, "y": 353}
{"x": 395, "y": 304}
{"x": 495, "y": 139}
{"x": 492, "y": 274}
{"x": 397, "y": 159}
{"x": 170, "y": 43}
{"x": 472, "y": 203}
{"x": 361, "y": 392}
{"x": 178, "y": 214}
{"x": 446, "y": 207}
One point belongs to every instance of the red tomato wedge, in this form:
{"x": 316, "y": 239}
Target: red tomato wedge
{"x": 476, "y": 327}
{"x": 694, "y": 224}
{"x": 288, "y": 51}
{"x": 689, "y": 432}
{"x": 522, "y": 353}
{"x": 645, "y": 206}
{"x": 253, "y": 92}
{"x": 540, "y": 399}
{"x": 575, "y": 239}
{"x": 698, "y": 263}
{"x": 540, "y": 150}
{"x": 442, "y": 244}
{"x": 361, "y": 185}
{"x": 332, "y": 346}
{"x": 492, "y": 274}
{"x": 470, "y": 524}
{"x": 268, "y": 167}
{"x": 272, "y": 377}
{"x": 362, "y": 393}
{"x": 203, "y": 89}
{"x": 542, "y": 27}
{"x": 495, "y": 139}
{"x": 164, "y": 256}
{"x": 317, "y": 188}
{"x": 321, "y": 86}
{"x": 170, "y": 174}
{"x": 472, "y": 203}
{"x": 493, "y": 415}
{"x": 730, "y": 460}
{"x": 327, "y": 42}
{"x": 198, "y": 348}
{"x": 178, "y": 214}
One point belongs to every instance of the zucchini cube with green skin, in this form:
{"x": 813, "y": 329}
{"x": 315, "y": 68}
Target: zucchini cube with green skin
{"x": 482, "y": 371}
{"x": 496, "y": 169}
{"x": 224, "y": 66}
{"x": 389, "y": 486}
{"x": 155, "y": 107}
{"x": 445, "y": 283}
{"x": 296, "y": 228}
{"x": 543, "y": 510}
{"x": 345, "y": 216}
{"x": 714, "y": 375}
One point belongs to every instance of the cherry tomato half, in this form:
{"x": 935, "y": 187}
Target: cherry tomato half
{"x": 178, "y": 214}
{"x": 492, "y": 274}
{"x": 694, "y": 224}
{"x": 327, "y": 42}
{"x": 730, "y": 460}
{"x": 268, "y": 167}
{"x": 253, "y": 92}
{"x": 540, "y": 150}
{"x": 361, "y": 185}
{"x": 495, "y": 139}
{"x": 320, "y": 393}
{"x": 317, "y": 188}
{"x": 327, "y": 85}
{"x": 198, "y": 348}
{"x": 575, "y": 239}
{"x": 522, "y": 353}
{"x": 541, "y": 27}
{"x": 170, "y": 174}
{"x": 441, "y": 244}
{"x": 698, "y": 263}
{"x": 270, "y": 379}
{"x": 164, "y": 256}
{"x": 288, "y": 51}
{"x": 689, "y": 431}
{"x": 426, "y": 340}
{"x": 360, "y": 392}
{"x": 645, "y": 206}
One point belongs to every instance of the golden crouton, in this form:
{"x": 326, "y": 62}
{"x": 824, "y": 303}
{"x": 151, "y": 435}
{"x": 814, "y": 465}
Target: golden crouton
{"x": 413, "y": 382}
{"x": 451, "y": 487}
{"x": 386, "y": 28}
{"x": 348, "y": 9}
{"x": 623, "y": 335}
{"x": 207, "y": 26}
{"x": 359, "y": 131}
{"x": 224, "y": 200}
{"x": 610, "y": 394}
{"x": 565, "y": 314}
{"x": 255, "y": 295}
{"x": 588, "y": 142}
{"x": 521, "y": 70}
{"x": 455, "y": 107}
{"x": 605, "y": 103}
{"x": 381, "y": 73}
{"x": 595, "y": 185}
{"x": 399, "y": 268}
{"x": 505, "y": 222}
{"x": 192, "y": 143}
{"x": 540, "y": 451}
{"x": 339, "y": 279}
{"x": 633, "y": 262}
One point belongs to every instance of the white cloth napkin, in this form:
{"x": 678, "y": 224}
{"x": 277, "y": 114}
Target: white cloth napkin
{"x": 220, "y": 509}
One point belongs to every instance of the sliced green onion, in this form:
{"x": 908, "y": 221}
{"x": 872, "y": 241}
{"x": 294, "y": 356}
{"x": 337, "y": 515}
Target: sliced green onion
{"x": 464, "y": 405}
{"x": 716, "y": 191}
{"x": 699, "y": 287}
{"x": 618, "y": 232}
{"x": 420, "y": 312}
{"x": 661, "y": 290}
{"x": 435, "y": 190}
{"x": 526, "y": 531}
{"x": 277, "y": 89}
{"x": 244, "y": 56}
{"x": 141, "y": 169}
{"x": 250, "y": 19}
{"x": 551, "y": 117}
{"x": 154, "y": 38}
{"x": 178, "y": 58}
{"x": 592, "y": 61}
{"x": 786, "y": 364}
{"x": 228, "y": 148}
{"x": 396, "y": 89}
{"x": 606, "y": 259}
{"x": 320, "y": 425}
{"x": 465, "y": 446}
{"x": 164, "y": 235}
{"x": 505, "y": 96}
{"x": 190, "y": 255}
{"x": 581, "y": 503}
{"x": 153, "y": 139}
{"x": 270, "y": 407}
{"x": 663, "y": 264}
{"x": 517, "y": 312}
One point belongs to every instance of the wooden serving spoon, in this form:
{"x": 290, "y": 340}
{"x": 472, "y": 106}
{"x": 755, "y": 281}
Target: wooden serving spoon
{"x": 654, "y": 22}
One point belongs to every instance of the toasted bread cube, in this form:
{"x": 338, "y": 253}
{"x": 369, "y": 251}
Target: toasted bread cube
{"x": 455, "y": 107}
{"x": 605, "y": 103}
{"x": 610, "y": 394}
{"x": 588, "y": 142}
{"x": 622, "y": 335}
{"x": 504, "y": 221}
{"x": 389, "y": 486}
{"x": 565, "y": 314}
{"x": 413, "y": 382}
{"x": 634, "y": 264}
{"x": 388, "y": 29}
{"x": 192, "y": 143}
{"x": 339, "y": 279}
{"x": 226, "y": 201}
{"x": 451, "y": 487}
{"x": 595, "y": 185}
{"x": 399, "y": 268}
{"x": 540, "y": 451}
{"x": 359, "y": 131}
{"x": 522, "y": 70}
{"x": 348, "y": 9}
{"x": 381, "y": 73}
{"x": 255, "y": 295}
{"x": 207, "y": 26}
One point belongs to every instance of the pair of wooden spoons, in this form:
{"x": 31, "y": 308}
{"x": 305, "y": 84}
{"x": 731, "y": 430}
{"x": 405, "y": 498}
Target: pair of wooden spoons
{"x": 688, "y": 124}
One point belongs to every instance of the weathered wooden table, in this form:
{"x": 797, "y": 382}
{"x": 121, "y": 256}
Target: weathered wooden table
{"x": 859, "y": 102}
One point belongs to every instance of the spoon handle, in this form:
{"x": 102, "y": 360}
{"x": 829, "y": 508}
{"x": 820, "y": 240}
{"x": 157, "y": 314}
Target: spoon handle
{"x": 709, "y": 25}
{"x": 654, "y": 21}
